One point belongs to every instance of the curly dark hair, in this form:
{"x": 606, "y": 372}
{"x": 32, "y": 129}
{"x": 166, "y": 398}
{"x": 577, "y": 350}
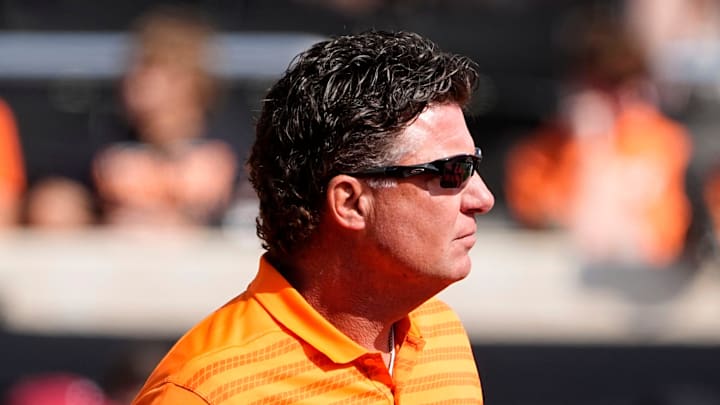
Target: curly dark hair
{"x": 338, "y": 109}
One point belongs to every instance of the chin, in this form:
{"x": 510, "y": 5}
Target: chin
{"x": 462, "y": 275}
{"x": 454, "y": 274}
{"x": 462, "y": 269}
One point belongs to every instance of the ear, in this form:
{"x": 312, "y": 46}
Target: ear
{"x": 347, "y": 203}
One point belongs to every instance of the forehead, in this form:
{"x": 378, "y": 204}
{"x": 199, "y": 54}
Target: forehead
{"x": 439, "y": 131}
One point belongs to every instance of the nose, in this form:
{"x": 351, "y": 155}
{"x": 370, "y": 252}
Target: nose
{"x": 477, "y": 198}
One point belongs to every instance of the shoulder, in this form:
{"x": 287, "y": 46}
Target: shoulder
{"x": 645, "y": 129}
{"x": 234, "y": 341}
{"x": 654, "y": 121}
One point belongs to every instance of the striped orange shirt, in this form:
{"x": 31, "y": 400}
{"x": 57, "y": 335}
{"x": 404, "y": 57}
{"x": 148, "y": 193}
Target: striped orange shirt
{"x": 269, "y": 346}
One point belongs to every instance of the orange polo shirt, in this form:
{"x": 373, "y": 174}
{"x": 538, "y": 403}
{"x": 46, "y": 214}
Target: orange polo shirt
{"x": 269, "y": 346}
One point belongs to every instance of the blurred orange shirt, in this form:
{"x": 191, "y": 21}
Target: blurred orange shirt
{"x": 270, "y": 346}
{"x": 12, "y": 173}
{"x": 643, "y": 169}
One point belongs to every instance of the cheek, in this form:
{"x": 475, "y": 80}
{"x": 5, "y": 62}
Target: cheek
{"x": 421, "y": 211}
{"x": 419, "y": 225}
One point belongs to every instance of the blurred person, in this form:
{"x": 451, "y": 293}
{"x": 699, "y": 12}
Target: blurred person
{"x": 366, "y": 176}
{"x": 611, "y": 166}
{"x": 171, "y": 172}
{"x": 158, "y": 164}
{"x": 681, "y": 40}
{"x": 59, "y": 203}
{"x": 57, "y": 388}
{"x": 12, "y": 168}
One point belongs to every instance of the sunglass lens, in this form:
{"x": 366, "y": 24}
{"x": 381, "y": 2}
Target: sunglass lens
{"x": 456, "y": 171}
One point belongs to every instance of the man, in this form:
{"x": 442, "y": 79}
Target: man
{"x": 365, "y": 171}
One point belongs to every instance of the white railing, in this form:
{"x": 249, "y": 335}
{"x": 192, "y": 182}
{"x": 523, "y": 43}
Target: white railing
{"x": 525, "y": 286}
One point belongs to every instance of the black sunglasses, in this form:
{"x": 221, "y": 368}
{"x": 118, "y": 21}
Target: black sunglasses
{"x": 453, "y": 171}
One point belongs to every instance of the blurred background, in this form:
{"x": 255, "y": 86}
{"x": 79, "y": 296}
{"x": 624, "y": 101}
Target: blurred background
{"x": 125, "y": 213}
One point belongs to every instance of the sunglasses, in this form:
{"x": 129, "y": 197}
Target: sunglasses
{"x": 453, "y": 171}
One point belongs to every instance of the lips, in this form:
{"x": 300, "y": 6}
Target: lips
{"x": 468, "y": 238}
{"x": 469, "y": 232}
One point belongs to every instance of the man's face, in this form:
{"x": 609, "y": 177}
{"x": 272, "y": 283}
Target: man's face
{"x": 421, "y": 232}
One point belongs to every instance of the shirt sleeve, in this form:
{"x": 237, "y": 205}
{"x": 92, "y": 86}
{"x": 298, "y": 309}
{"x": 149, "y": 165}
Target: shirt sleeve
{"x": 169, "y": 394}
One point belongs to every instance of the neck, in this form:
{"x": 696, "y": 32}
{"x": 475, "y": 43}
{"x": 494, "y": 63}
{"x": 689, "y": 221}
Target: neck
{"x": 345, "y": 295}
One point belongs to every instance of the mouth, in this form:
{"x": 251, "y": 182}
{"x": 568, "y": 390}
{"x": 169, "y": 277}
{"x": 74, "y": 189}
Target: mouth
{"x": 467, "y": 239}
{"x": 468, "y": 232}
